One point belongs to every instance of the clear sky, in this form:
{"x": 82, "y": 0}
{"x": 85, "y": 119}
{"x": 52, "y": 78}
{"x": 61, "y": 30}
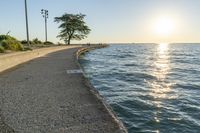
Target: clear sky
{"x": 109, "y": 20}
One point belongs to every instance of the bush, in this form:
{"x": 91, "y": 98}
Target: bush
{"x": 13, "y": 45}
{"x": 48, "y": 43}
{"x": 6, "y": 37}
{"x": 10, "y": 43}
{"x": 33, "y": 42}
{"x": 2, "y": 50}
{"x": 36, "y": 41}
{"x": 24, "y": 42}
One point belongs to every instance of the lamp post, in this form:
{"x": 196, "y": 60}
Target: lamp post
{"x": 26, "y": 15}
{"x": 45, "y": 14}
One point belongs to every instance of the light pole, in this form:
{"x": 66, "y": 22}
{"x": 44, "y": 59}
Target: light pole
{"x": 26, "y": 15}
{"x": 45, "y": 14}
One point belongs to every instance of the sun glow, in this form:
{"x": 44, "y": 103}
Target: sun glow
{"x": 164, "y": 26}
{"x": 163, "y": 47}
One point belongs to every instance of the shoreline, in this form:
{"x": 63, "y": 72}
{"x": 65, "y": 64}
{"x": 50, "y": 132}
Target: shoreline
{"x": 95, "y": 91}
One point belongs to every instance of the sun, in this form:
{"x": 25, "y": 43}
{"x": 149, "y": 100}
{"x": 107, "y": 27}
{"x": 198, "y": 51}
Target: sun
{"x": 164, "y": 26}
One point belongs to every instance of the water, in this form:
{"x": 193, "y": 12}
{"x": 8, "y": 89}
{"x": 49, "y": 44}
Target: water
{"x": 152, "y": 88}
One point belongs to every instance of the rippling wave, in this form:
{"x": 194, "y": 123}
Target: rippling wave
{"x": 151, "y": 87}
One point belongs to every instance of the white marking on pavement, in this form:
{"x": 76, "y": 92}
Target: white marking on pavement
{"x": 75, "y": 71}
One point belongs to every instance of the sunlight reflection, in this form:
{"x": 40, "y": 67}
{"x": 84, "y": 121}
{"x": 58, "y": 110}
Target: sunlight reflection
{"x": 163, "y": 47}
{"x": 159, "y": 87}
{"x": 161, "y": 62}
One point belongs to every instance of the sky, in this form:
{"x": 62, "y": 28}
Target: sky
{"x": 110, "y": 21}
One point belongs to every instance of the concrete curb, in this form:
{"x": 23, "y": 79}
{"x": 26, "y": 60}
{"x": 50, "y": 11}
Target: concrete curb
{"x": 122, "y": 128}
{"x": 8, "y": 61}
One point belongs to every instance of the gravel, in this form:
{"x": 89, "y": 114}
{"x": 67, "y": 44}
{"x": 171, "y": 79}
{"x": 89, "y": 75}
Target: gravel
{"x": 41, "y": 97}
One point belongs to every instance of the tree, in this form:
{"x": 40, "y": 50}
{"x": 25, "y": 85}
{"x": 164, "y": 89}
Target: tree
{"x": 73, "y": 27}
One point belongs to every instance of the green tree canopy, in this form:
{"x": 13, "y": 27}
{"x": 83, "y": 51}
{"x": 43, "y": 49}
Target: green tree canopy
{"x": 73, "y": 27}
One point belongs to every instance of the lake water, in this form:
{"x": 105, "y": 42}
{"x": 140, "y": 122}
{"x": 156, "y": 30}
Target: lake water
{"x": 153, "y": 88}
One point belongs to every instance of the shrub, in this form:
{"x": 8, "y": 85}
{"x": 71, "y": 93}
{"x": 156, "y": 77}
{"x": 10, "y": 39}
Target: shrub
{"x": 6, "y": 37}
{"x": 13, "y": 45}
{"x": 2, "y": 50}
{"x": 48, "y": 43}
{"x": 24, "y": 42}
{"x": 10, "y": 43}
{"x": 33, "y": 42}
{"x": 36, "y": 41}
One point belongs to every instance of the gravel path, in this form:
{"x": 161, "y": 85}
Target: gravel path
{"x": 41, "y": 97}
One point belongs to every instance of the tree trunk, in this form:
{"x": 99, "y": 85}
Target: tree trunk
{"x": 68, "y": 41}
{"x": 70, "y": 37}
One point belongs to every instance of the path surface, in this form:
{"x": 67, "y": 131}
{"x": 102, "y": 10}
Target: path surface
{"x": 40, "y": 97}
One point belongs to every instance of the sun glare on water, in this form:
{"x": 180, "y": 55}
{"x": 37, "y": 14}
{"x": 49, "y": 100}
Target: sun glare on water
{"x": 163, "y": 47}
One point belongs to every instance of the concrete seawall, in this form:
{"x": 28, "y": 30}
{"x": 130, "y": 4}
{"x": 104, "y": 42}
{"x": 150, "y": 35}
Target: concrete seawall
{"x": 95, "y": 92}
{"x": 8, "y": 61}
{"x": 86, "y": 49}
